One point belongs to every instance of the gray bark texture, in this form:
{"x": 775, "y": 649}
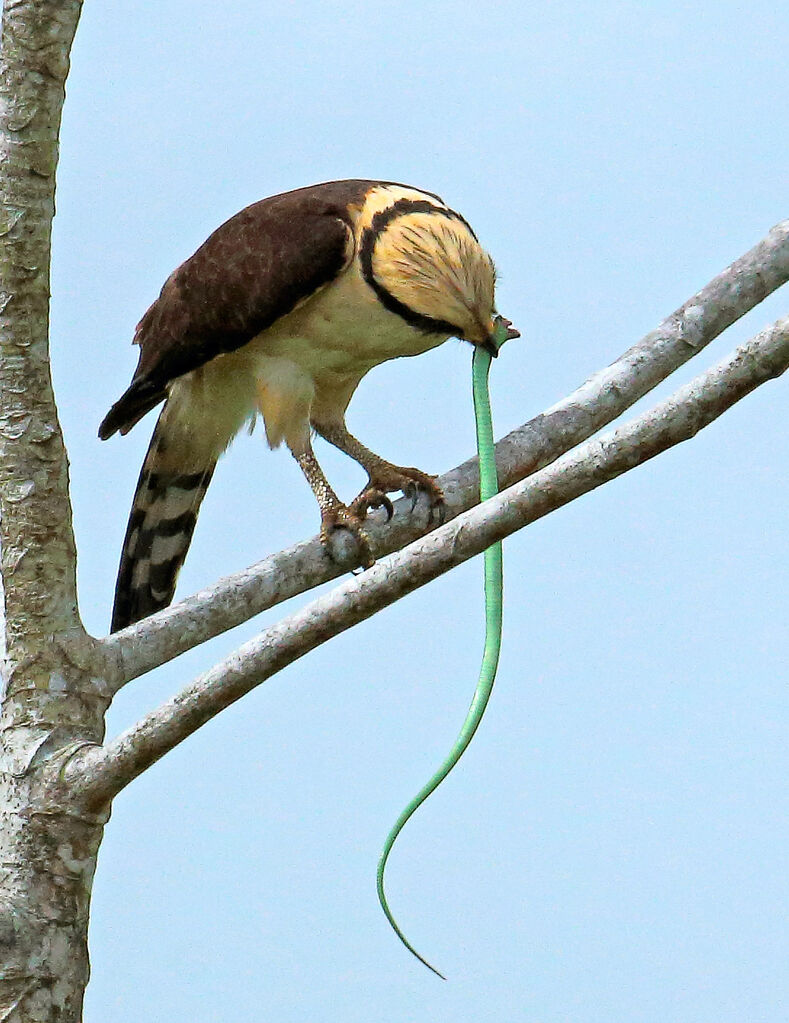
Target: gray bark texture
{"x": 57, "y": 776}
{"x": 100, "y": 772}
{"x": 47, "y": 846}
{"x": 599, "y": 401}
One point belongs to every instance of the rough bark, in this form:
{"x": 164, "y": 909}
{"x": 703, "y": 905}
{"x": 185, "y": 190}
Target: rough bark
{"x": 47, "y": 847}
{"x": 55, "y": 776}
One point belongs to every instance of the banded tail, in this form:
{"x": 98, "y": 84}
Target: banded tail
{"x": 161, "y": 524}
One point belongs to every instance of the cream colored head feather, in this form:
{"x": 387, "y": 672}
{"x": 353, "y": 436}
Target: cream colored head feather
{"x": 433, "y": 265}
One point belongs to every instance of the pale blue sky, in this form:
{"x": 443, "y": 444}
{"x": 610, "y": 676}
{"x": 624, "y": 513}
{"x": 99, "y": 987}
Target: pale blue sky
{"x": 613, "y": 846}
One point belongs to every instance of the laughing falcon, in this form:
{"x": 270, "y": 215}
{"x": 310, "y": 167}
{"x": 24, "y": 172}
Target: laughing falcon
{"x": 280, "y": 313}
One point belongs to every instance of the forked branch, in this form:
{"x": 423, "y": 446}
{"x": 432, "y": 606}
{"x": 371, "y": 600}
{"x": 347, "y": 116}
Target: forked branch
{"x": 603, "y": 398}
{"x": 98, "y": 773}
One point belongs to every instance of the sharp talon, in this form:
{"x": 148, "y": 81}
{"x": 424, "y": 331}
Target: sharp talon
{"x": 371, "y": 498}
{"x": 411, "y": 483}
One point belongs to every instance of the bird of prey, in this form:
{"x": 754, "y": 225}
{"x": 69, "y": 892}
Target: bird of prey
{"x": 281, "y": 312}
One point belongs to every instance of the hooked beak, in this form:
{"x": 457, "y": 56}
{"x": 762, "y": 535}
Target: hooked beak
{"x": 503, "y": 330}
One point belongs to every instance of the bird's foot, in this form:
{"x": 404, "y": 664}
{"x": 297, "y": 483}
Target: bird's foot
{"x": 349, "y": 519}
{"x": 388, "y": 479}
{"x": 342, "y": 520}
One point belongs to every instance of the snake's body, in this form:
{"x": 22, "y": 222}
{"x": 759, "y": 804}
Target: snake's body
{"x": 488, "y": 487}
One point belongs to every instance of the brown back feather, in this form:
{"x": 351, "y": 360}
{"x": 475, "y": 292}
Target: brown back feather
{"x": 251, "y": 271}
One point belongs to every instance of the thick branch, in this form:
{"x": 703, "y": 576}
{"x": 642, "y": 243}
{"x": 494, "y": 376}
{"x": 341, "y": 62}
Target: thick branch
{"x": 38, "y": 555}
{"x": 99, "y": 773}
{"x": 599, "y": 401}
{"x": 47, "y": 851}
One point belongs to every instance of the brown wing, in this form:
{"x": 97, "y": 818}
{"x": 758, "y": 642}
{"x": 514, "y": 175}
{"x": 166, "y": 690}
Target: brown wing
{"x": 252, "y": 270}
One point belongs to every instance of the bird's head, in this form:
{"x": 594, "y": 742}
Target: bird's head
{"x": 426, "y": 264}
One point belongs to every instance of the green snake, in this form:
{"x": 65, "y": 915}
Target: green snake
{"x": 488, "y": 487}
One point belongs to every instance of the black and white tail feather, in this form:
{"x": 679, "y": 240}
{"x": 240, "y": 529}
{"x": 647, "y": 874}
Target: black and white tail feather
{"x": 161, "y": 524}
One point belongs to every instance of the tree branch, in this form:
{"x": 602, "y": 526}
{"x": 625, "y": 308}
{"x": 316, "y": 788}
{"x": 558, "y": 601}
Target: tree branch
{"x": 98, "y": 773}
{"x": 236, "y": 598}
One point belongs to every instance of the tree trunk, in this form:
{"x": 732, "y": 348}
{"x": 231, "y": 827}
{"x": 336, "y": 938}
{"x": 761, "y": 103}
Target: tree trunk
{"x": 48, "y": 850}
{"x": 52, "y": 705}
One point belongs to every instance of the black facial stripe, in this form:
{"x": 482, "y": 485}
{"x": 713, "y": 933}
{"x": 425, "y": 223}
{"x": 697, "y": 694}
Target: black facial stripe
{"x": 379, "y": 224}
{"x": 404, "y": 206}
{"x": 424, "y": 323}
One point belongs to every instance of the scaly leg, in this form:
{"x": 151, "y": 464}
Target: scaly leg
{"x": 334, "y": 514}
{"x": 384, "y": 478}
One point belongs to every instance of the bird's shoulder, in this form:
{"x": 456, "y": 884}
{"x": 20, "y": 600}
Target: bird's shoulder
{"x": 252, "y": 270}
{"x": 249, "y": 272}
